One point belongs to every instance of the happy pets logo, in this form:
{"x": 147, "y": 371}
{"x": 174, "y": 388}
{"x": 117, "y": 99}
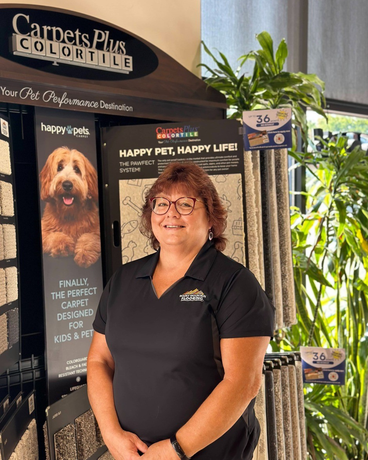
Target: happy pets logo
{"x": 65, "y": 130}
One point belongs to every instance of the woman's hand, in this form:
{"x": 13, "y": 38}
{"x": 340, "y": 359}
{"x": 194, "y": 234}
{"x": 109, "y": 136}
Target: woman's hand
{"x": 162, "y": 450}
{"x": 124, "y": 445}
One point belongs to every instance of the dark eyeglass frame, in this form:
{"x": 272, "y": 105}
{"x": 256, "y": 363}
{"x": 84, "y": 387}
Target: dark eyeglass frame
{"x": 174, "y": 203}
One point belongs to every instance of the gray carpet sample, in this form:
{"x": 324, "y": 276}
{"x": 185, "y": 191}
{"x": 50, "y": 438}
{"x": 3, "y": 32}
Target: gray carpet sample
{"x": 302, "y": 429}
{"x": 283, "y": 211}
{"x": 273, "y": 281}
{"x": 271, "y": 416}
{"x": 286, "y": 412}
{"x": 65, "y": 443}
{"x": 294, "y": 412}
{"x": 277, "y": 382}
{"x": 86, "y": 435}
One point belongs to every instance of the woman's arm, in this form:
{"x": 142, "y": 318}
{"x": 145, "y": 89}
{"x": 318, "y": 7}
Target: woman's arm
{"x": 123, "y": 445}
{"x": 242, "y": 359}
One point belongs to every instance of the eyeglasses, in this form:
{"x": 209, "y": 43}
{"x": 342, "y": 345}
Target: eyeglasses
{"x": 184, "y": 205}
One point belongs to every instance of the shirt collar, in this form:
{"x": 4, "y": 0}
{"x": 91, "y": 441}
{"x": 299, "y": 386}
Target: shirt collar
{"x": 198, "y": 269}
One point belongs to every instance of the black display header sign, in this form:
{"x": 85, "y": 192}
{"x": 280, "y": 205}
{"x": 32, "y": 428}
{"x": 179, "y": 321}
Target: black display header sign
{"x": 71, "y": 246}
{"x": 136, "y": 155}
{"x": 72, "y": 45}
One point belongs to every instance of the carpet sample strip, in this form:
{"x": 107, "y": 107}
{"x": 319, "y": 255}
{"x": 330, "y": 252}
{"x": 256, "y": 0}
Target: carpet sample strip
{"x": 10, "y": 241}
{"x": 65, "y": 443}
{"x": 272, "y": 232}
{"x": 4, "y": 343}
{"x": 302, "y": 428}
{"x": 27, "y": 447}
{"x": 5, "y": 164}
{"x": 86, "y": 435}
{"x": 99, "y": 439}
{"x": 6, "y": 199}
{"x": 260, "y": 411}
{"x": 286, "y": 412}
{"x": 2, "y": 287}
{"x": 294, "y": 412}
{"x": 277, "y": 383}
{"x": 47, "y": 442}
{"x": 283, "y": 212}
{"x": 258, "y": 207}
{"x": 2, "y": 251}
{"x": 11, "y": 274}
{"x": 252, "y": 233}
{"x": 271, "y": 415}
{"x": 13, "y": 326}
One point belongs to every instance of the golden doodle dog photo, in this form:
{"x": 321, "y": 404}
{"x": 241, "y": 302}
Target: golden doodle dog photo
{"x": 70, "y": 222}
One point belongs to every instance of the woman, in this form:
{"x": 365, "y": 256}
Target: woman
{"x": 180, "y": 336}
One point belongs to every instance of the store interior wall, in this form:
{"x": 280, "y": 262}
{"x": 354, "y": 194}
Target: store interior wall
{"x": 326, "y": 38}
{"x": 172, "y": 26}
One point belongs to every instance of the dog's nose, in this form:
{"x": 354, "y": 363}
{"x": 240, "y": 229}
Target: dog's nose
{"x": 67, "y": 185}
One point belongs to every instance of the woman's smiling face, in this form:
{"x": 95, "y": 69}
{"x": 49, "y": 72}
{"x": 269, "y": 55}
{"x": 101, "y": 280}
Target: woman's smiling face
{"x": 173, "y": 229}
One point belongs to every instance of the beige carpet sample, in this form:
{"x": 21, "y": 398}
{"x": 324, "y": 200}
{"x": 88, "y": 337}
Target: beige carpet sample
{"x": 283, "y": 212}
{"x": 6, "y": 199}
{"x": 4, "y": 344}
{"x": 65, "y": 443}
{"x": 2, "y": 287}
{"x": 86, "y": 435}
{"x": 2, "y": 252}
{"x": 260, "y": 410}
{"x": 300, "y": 389}
{"x": 10, "y": 241}
{"x": 258, "y": 207}
{"x": 252, "y": 232}
{"x": 5, "y": 164}
{"x": 11, "y": 274}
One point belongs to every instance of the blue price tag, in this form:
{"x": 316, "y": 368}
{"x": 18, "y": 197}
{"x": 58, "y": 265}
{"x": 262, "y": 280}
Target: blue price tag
{"x": 323, "y": 365}
{"x": 267, "y": 129}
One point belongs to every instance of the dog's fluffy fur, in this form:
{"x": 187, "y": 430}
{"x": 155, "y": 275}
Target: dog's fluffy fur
{"x": 70, "y": 222}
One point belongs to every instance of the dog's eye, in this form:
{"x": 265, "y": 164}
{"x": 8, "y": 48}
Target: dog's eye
{"x": 77, "y": 170}
{"x": 60, "y": 167}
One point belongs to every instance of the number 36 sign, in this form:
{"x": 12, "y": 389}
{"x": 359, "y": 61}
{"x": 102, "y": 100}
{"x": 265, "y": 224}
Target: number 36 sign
{"x": 323, "y": 365}
{"x": 267, "y": 129}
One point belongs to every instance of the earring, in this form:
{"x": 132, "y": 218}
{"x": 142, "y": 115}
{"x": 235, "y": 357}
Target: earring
{"x": 210, "y": 235}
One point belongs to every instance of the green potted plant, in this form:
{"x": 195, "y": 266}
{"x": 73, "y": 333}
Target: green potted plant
{"x": 330, "y": 245}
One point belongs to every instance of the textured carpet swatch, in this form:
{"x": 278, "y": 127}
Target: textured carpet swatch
{"x": 258, "y": 207}
{"x": 286, "y": 413}
{"x": 86, "y": 435}
{"x": 294, "y": 412}
{"x": 260, "y": 410}
{"x": 283, "y": 211}
{"x": 270, "y": 235}
{"x": 6, "y": 199}
{"x": 5, "y": 164}
{"x": 4, "y": 344}
{"x": 10, "y": 241}
{"x": 13, "y": 326}
{"x": 277, "y": 383}
{"x": 271, "y": 416}
{"x": 27, "y": 447}
{"x": 252, "y": 233}
{"x": 65, "y": 443}
{"x": 300, "y": 389}
{"x": 2, "y": 287}
{"x": 2, "y": 252}
{"x": 11, "y": 274}
{"x": 47, "y": 442}
{"x": 99, "y": 439}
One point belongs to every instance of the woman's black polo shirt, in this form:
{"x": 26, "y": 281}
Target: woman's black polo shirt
{"x": 167, "y": 351}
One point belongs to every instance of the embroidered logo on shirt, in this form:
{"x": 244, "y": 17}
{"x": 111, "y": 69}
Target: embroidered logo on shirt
{"x": 195, "y": 295}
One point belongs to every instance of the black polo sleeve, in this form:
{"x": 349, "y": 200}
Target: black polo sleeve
{"x": 244, "y": 309}
{"x": 99, "y": 323}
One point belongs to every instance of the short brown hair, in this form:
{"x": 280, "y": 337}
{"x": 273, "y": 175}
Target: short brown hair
{"x": 198, "y": 183}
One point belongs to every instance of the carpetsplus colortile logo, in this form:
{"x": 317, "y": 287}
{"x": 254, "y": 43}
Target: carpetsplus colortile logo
{"x": 178, "y": 132}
